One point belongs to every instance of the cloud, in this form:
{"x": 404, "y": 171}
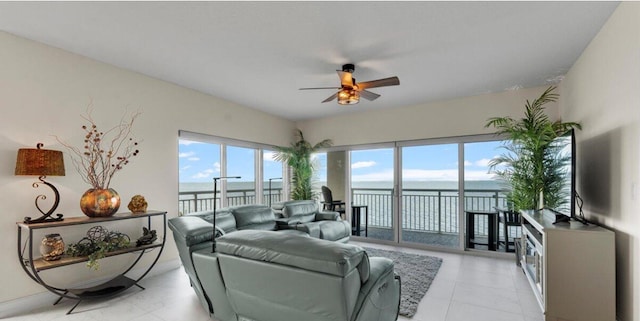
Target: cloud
{"x": 187, "y": 142}
{"x": 363, "y": 164}
{"x": 478, "y": 176}
{"x": 193, "y": 159}
{"x": 479, "y": 163}
{"x": 483, "y": 162}
{"x": 184, "y": 168}
{"x": 386, "y": 175}
{"x": 268, "y": 156}
{"x": 206, "y": 173}
{"x": 186, "y": 154}
{"x": 424, "y": 175}
{"x": 430, "y": 175}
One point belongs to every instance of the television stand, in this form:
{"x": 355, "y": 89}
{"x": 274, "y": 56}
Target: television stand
{"x": 570, "y": 267}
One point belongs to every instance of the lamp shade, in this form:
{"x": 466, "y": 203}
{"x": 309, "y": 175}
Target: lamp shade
{"x": 348, "y": 97}
{"x": 39, "y": 162}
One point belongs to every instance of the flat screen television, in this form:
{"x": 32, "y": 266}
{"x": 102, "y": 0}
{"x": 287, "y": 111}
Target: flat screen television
{"x": 564, "y": 147}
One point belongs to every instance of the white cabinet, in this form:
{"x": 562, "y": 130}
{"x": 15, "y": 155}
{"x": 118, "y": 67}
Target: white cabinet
{"x": 570, "y": 266}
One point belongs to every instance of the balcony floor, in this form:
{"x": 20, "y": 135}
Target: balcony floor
{"x": 434, "y": 239}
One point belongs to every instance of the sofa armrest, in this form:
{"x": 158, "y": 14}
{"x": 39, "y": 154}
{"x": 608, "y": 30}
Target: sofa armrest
{"x": 313, "y": 229}
{"x": 191, "y": 229}
{"x": 327, "y": 216}
{"x": 380, "y": 295}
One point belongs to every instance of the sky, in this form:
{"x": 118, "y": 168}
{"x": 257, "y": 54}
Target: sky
{"x": 425, "y": 163}
{"x": 200, "y": 162}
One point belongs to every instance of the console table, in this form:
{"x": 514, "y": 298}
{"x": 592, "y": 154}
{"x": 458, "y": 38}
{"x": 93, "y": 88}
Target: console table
{"x": 34, "y": 265}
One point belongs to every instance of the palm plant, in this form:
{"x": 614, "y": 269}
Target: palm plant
{"x": 298, "y": 157}
{"x": 532, "y": 166}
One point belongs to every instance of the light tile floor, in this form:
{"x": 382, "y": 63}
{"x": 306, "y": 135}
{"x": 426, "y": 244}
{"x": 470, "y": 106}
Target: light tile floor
{"x": 466, "y": 288}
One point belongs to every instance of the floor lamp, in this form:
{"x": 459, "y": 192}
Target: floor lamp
{"x": 271, "y": 179}
{"x": 215, "y": 191}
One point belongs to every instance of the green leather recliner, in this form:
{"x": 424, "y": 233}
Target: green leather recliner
{"x": 260, "y": 275}
{"x": 306, "y": 216}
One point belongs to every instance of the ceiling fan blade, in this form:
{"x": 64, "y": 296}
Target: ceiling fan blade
{"x": 345, "y": 78}
{"x": 391, "y": 81}
{"x": 368, "y": 95}
{"x": 312, "y": 88}
{"x": 331, "y": 98}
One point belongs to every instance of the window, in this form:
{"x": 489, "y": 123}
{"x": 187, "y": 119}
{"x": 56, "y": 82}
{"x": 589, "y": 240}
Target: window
{"x": 203, "y": 157}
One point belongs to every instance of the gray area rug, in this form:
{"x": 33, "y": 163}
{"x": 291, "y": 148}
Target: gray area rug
{"x": 416, "y": 274}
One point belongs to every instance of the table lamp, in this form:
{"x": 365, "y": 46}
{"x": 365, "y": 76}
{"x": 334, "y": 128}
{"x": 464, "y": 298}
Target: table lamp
{"x": 215, "y": 190}
{"x": 41, "y": 162}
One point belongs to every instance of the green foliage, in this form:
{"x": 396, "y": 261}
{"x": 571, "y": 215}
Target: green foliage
{"x": 298, "y": 157}
{"x": 532, "y": 165}
{"x": 96, "y": 245}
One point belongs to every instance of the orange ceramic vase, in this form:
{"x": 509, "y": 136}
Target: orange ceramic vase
{"x": 98, "y": 202}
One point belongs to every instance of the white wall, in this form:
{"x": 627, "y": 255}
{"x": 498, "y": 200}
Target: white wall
{"x": 602, "y": 91}
{"x": 43, "y": 91}
{"x": 457, "y": 117}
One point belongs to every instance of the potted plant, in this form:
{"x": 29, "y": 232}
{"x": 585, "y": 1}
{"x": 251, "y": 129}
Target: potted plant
{"x": 531, "y": 165}
{"x": 298, "y": 157}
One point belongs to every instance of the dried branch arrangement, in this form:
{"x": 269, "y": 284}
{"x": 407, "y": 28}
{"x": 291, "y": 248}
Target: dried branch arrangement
{"x": 103, "y": 153}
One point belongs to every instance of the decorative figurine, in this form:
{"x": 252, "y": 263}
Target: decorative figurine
{"x": 52, "y": 247}
{"x": 137, "y": 204}
{"x": 148, "y": 237}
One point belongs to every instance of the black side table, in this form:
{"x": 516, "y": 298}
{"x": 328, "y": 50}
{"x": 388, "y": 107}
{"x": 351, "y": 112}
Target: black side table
{"x": 356, "y": 211}
{"x": 492, "y": 241}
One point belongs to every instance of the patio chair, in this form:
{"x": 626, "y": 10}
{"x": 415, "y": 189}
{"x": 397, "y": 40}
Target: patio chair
{"x": 330, "y": 204}
{"x": 510, "y": 219}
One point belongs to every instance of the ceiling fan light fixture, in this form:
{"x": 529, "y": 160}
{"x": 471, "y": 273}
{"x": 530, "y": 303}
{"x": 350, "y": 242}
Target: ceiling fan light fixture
{"x": 348, "y": 97}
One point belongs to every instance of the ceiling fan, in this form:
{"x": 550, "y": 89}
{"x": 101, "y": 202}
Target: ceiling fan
{"x": 350, "y": 91}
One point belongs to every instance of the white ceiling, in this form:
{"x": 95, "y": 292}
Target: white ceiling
{"x": 258, "y": 54}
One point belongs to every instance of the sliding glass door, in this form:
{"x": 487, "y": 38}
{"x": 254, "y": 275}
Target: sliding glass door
{"x": 429, "y": 195}
{"x": 372, "y": 193}
{"x": 484, "y": 193}
{"x": 417, "y": 192}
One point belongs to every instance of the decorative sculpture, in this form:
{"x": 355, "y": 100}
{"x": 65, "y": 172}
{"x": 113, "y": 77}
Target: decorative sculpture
{"x": 137, "y": 204}
{"x": 148, "y": 237}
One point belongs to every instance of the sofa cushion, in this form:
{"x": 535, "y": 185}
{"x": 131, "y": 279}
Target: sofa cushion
{"x": 293, "y": 250}
{"x": 305, "y": 211}
{"x": 334, "y": 230}
{"x": 224, "y": 219}
{"x": 255, "y": 217}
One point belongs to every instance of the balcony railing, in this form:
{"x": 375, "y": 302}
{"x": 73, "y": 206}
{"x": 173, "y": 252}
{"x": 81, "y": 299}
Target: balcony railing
{"x": 427, "y": 210}
{"x": 203, "y": 200}
{"x": 424, "y": 210}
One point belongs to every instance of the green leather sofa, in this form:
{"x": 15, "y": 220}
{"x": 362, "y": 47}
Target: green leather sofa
{"x": 262, "y": 275}
{"x": 306, "y": 216}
